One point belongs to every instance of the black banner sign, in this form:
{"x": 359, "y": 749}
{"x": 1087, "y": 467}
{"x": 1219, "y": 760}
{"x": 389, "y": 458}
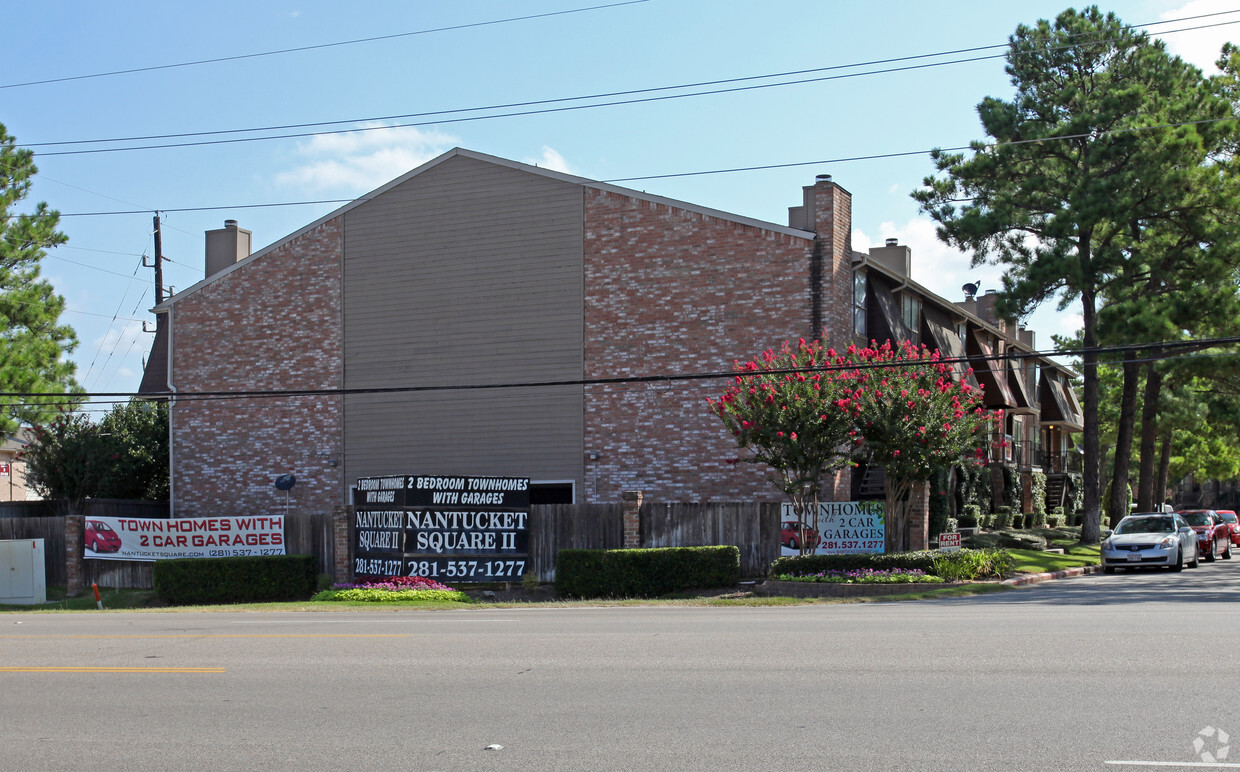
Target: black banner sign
{"x": 463, "y": 529}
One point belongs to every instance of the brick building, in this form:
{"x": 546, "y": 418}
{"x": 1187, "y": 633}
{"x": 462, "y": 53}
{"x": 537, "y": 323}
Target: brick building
{"x": 457, "y": 321}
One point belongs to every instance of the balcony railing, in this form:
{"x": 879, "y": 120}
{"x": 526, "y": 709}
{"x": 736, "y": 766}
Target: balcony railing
{"x": 1054, "y": 461}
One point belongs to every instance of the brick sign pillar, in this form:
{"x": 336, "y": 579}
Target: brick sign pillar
{"x": 342, "y": 538}
{"x": 919, "y": 516}
{"x": 632, "y": 519}
{"x": 75, "y": 569}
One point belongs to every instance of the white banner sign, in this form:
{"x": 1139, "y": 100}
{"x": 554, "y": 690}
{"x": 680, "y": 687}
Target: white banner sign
{"x": 139, "y": 538}
{"x": 842, "y": 527}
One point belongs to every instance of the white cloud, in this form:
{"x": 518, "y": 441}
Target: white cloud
{"x": 935, "y": 266}
{"x": 356, "y": 162}
{"x": 551, "y": 159}
{"x": 1198, "y": 46}
{"x": 944, "y": 271}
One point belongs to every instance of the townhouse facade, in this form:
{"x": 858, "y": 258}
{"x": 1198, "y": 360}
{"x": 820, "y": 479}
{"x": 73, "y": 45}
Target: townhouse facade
{"x": 479, "y": 316}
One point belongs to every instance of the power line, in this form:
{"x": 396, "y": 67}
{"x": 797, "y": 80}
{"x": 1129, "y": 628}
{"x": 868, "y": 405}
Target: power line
{"x": 730, "y": 170}
{"x": 551, "y": 110}
{"x": 318, "y": 46}
{"x": 1162, "y": 350}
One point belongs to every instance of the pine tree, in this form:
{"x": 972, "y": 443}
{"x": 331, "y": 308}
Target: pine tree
{"x": 1102, "y": 138}
{"x": 33, "y": 341}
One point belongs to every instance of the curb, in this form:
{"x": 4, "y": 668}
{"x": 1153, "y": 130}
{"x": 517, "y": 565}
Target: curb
{"x": 1021, "y": 581}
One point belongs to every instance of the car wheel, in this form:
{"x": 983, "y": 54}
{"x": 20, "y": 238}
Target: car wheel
{"x": 1210, "y": 552}
{"x": 1196, "y": 559}
{"x": 1108, "y": 569}
{"x": 1227, "y": 550}
{"x": 1179, "y": 561}
{"x": 792, "y": 544}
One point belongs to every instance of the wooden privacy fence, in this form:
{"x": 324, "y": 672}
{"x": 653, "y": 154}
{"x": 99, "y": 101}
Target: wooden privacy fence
{"x": 752, "y": 527}
{"x": 90, "y": 508}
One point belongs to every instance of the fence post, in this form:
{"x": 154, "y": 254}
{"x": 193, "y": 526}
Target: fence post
{"x": 342, "y": 530}
{"x": 632, "y": 519}
{"x": 74, "y": 568}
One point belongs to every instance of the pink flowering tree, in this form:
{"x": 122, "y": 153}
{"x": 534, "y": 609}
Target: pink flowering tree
{"x": 913, "y": 418}
{"x": 788, "y": 413}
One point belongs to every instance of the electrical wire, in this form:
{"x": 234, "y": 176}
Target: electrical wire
{"x": 1162, "y": 350}
{"x": 730, "y": 170}
{"x": 604, "y": 95}
{"x": 318, "y": 46}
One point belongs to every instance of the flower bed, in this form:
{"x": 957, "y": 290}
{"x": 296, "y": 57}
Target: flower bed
{"x": 864, "y": 576}
{"x": 395, "y": 589}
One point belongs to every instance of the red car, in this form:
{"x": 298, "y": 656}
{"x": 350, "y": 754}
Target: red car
{"x": 99, "y": 537}
{"x": 1213, "y": 533}
{"x": 1233, "y": 523}
{"x": 793, "y": 535}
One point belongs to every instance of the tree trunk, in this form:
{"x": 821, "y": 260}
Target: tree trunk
{"x": 1091, "y": 528}
{"x": 1164, "y": 464}
{"x": 1149, "y": 496}
{"x": 895, "y": 515}
{"x": 1118, "y": 506}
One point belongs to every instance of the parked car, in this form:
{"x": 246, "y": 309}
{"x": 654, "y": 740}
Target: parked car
{"x": 1151, "y": 539}
{"x": 1213, "y": 534}
{"x": 99, "y": 537}
{"x": 793, "y": 535}
{"x": 1233, "y": 524}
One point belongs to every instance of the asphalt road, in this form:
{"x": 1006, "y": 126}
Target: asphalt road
{"x": 1065, "y": 675}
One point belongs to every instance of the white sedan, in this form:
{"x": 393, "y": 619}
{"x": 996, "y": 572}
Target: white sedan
{"x": 1150, "y": 540}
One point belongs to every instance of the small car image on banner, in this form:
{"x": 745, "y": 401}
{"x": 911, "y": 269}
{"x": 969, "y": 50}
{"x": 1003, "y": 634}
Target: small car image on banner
{"x": 842, "y": 527}
{"x": 141, "y": 538}
{"x": 99, "y": 537}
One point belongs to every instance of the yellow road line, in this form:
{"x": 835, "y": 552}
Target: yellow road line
{"x": 237, "y": 635}
{"x": 112, "y": 670}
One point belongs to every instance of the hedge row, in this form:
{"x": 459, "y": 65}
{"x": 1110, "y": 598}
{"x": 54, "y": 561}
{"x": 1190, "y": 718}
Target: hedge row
{"x": 207, "y": 581}
{"x": 644, "y": 573}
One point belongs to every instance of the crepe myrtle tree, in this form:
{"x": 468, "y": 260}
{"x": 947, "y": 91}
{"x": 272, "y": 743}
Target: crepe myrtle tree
{"x": 913, "y": 419}
{"x": 784, "y": 408}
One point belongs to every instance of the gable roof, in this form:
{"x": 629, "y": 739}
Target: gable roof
{"x": 527, "y": 168}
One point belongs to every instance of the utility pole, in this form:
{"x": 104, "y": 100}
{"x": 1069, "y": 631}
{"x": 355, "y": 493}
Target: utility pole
{"x": 159, "y": 263}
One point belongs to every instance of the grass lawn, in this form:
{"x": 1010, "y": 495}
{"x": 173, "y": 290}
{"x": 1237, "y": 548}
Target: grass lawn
{"x": 1036, "y": 561}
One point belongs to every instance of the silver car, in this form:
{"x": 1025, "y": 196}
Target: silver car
{"x": 1153, "y": 539}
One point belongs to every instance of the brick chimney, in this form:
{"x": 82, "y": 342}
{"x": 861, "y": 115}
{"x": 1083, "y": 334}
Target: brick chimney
{"x": 827, "y": 212}
{"x": 227, "y": 246}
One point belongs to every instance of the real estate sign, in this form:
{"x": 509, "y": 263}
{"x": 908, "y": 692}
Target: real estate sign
{"x": 142, "y": 538}
{"x": 949, "y": 542}
{"x": 458, "y": 529}
{"x": 842, "y": 527}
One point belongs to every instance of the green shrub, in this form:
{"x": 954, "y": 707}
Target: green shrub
{"x": 1058, "y": 511}
{"x": 644, "y": 573}
{"x": 206, "y": 581}
{"x": 1038, "y": 491}
{"x": 971, "y": 516}
{"x": 953, "y": 525}
{"x": 1002, "y": 519}
{"x": 964, "y": 564}
{"x": 1055, "y": 521}
{"x": 967, "y": 565}
{"x": 1011, "y": 488}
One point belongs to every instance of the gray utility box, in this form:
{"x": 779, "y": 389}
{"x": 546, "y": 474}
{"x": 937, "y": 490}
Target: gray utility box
{"x": 23, "y": 572}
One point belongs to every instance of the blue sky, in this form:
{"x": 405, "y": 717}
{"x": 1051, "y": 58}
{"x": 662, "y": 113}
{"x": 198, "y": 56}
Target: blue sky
{"x": 639, "y": 45}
